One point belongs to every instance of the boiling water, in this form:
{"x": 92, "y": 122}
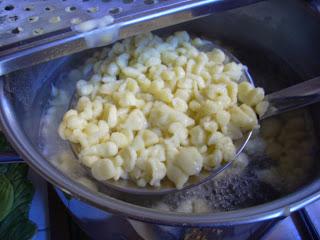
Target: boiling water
{"x": 255, "y": 178}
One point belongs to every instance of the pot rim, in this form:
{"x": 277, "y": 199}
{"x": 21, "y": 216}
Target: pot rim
{"x": 278, "y": 208}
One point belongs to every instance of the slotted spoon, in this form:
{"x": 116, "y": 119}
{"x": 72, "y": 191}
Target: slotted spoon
{"x": 288, "y": 99}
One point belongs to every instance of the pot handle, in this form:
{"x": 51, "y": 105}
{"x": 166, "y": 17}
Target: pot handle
{"x": 9, "y": 157}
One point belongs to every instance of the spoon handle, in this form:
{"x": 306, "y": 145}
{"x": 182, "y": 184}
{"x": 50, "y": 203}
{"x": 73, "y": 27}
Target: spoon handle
{"x": 296, "y": 96}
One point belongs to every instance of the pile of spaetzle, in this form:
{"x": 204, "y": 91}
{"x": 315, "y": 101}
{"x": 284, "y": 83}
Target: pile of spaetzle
{"x": 158, "y": 109}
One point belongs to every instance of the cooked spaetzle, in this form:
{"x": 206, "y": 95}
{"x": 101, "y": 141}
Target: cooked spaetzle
{"x": 159, "y": 108}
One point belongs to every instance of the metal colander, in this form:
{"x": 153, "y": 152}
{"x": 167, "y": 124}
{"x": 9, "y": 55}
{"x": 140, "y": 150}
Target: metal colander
{"x": 34, "y": 31}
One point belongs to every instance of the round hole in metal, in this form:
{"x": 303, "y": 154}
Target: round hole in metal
{"x": 149, "y": 2}
{"x": 93, "y": 9}
{"x": 115, "y": 10}
{"x": 49, "y": 8}
{"x": 55, "y": 19}
{"x": 38, "y": 31}
{"x": 16, "y": 30}
{"x": 70, "y": 9}
{"x": 33, "y": 19}
{"x": 29, "y": 8}
{"x": 9, "y": 7}
{"x": 75, "y": 21}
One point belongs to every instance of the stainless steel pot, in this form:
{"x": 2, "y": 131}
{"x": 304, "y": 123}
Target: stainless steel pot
{"x": 278, "y": 40}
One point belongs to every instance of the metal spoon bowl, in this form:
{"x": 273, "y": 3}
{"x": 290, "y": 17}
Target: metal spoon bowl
{"x": 291, "y": 98}
{"x": 167, "y": 186}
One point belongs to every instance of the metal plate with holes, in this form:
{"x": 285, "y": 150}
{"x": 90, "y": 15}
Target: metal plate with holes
{"x": 36, "y": 31}
{"x": 24, "y": 19}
